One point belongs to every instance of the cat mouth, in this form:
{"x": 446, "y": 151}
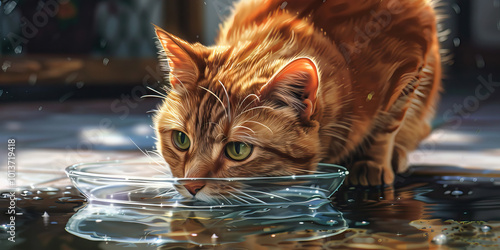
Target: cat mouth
{"x": 234, "y": 192}
{"x": 211, "y": 192}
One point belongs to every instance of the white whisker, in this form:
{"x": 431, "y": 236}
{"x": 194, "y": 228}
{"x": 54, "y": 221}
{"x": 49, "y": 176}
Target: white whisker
{"x": 149, "y": 156}
{"x": 241, "y": 103}
{"x": 220, "y": 101}
{"x": 228, "y": 102}
{"x": 156, "y": 91}
{"x": 239, "y": 126}
{"x": 238, "y": 198}
{"x": 254, "y": 108}
{"x": 153, "y": 96}
{"x": 270, "y": 194}
{"x": 249, "y": 196}
{"x": 270, "y": 130}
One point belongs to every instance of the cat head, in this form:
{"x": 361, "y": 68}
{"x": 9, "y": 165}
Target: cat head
{"x": 232, "y": 113}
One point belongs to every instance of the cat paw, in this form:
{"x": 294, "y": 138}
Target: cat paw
{"x": 399, "y": 159}
{"x": 369, "y": 173}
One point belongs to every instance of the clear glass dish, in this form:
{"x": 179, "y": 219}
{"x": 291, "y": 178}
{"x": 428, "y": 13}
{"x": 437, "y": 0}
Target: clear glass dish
{"x": 148, "y": 184}
{"x": 156, "y": 226}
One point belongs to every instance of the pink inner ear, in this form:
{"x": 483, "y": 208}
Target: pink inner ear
{"x": 304, "y": 68}
{"x": 180, "y": 62}
{"x": 302, "y": 71}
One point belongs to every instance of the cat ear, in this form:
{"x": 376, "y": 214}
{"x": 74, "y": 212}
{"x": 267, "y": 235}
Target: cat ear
{"x": 296, "y": 85}
{"x": 181, "y": 58}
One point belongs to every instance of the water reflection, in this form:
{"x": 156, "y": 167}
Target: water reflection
{"x": 157, "y": 226}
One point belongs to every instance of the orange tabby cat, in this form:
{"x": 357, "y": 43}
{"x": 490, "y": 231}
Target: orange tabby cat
{"x": 292, "y": 83}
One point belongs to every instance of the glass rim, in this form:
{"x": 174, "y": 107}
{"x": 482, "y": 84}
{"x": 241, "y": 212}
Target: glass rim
{"x": 75, "y": 171}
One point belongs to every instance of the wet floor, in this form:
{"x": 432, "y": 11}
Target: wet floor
{"x": 431, "y": 207}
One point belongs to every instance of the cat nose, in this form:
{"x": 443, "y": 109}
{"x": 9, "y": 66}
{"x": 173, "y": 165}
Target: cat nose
{"x": 194, "y": 187}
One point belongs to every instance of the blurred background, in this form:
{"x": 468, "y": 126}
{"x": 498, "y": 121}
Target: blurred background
{"x": 73, "y": 73}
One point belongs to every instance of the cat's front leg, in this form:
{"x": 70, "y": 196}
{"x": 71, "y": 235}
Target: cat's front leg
{"x": 375, "y": 168}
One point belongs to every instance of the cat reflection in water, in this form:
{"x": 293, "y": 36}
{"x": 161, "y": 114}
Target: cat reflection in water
{"x": 290, "y": 84}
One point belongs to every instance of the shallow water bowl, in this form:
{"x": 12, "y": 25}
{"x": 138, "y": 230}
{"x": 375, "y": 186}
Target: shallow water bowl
{"x": 149, "y": 184}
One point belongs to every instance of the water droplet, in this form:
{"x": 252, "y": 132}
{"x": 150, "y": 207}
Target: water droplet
{"x": 32, "y": 79}
{"x": 456, "y": 8}
{"x": 18, "y": 49}
{"x": 9, "y": 7}
{"x": 38, "y": 198}
{"x": 457, "y": 193}
{"x": 440, "y": 239}
{"x": 456, "y": 41}
{"x": 80, "y": 84}
{"x": 479, "y": 61}
{"x": 6, "y": 65}
{"x": 283, "y": 5}
{"x": 370, "y": 96}
{"x": 485, "y": 228}
{"x": 361, "y": 223}
{"x": 214, "y": 238}
{"x": 350, "y": 200}
{"x": 301, "y": 223}
{"x": 105, "y": 61}
{"x": 39, "y": 108}
{"x": 194, "y": 235}
{"x": 45, "y": 214}
{"x": 332, "y": 222}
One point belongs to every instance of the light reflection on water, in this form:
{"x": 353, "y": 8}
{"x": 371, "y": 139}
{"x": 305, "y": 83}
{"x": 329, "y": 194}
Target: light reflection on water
{"x": 157, "y": 226}
{"x": 432, "y": 207}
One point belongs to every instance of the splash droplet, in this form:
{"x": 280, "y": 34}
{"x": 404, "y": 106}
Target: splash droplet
{"x": 456, "y": 8}
{"x": 457, "y": 193}
{"x": 485, "y": 228}
{"x": 456, "y": 41}
{"x": 39, "y": 108}
{"x": 6, "y": 65}
{"x": 9, "y": 7}
{"x": 370, "y": 96}
{"x": 32, "y": 79}
{"x": 18, "y": 49}
{"x": 105, "y": 61}
{"x": 80, "y": 84}
{"x": 440, "y": 239}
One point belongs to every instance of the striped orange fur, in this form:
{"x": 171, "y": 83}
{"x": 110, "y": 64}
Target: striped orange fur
{"x": 336, "y": 81}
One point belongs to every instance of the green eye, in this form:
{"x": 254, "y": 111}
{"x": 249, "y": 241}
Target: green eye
{"x": 238, "y": 151}
{"x": 181, "y": 140}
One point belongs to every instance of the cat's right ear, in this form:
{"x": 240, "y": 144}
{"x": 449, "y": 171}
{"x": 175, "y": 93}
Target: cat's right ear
{"x": 295, "y": 85}
{"x": 181, "y": 58}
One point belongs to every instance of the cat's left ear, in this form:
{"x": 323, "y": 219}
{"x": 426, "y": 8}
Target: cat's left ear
{"x": 295, "y": 85}
{"x": 181, "y": 58}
